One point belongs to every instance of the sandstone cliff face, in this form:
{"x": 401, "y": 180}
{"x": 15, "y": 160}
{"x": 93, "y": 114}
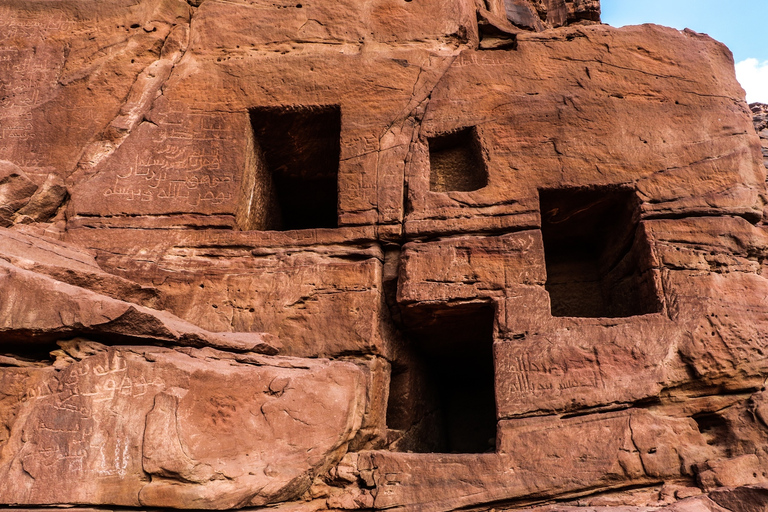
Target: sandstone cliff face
{"x": 412, "y": 255}
{"x": 760, "y": 119}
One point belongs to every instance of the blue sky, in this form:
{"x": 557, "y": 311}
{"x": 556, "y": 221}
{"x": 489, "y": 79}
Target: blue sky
{"x": 741, "y": 24}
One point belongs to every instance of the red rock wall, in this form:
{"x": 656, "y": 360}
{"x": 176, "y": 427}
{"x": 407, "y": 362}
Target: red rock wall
{"x": 760, "y": 119}
{"x": 412, "y": 255}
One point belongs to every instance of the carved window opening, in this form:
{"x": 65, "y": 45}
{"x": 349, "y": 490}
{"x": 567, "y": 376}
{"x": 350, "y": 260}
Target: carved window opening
{"x": 442, "y": 395}
{"x": 593, "y": 254}
{"x": 292, "y": 167}
{"x": 456, "y": 162}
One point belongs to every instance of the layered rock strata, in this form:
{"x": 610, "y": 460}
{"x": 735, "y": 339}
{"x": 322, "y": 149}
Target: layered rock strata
{"x": 411, "y": 255}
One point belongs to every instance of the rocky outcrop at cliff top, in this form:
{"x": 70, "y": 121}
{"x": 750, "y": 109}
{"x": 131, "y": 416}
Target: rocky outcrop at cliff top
{"x": 418, "y": 255}
{"x": 760, "y": 119}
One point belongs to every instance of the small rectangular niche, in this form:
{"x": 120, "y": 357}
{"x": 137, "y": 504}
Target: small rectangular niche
{"x": 592, "y": 255}
{"x": 456, "y": 162}
{"x": 292, "y": 167}
{"x": 442, "y": 396}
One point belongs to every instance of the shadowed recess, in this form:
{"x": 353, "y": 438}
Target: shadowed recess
{"x": 594, "y": 259}
{"x": 456, "y": 162}
{"x": 442, "y": 400}
{"x": 713, "y": 427}
{"x": 292, "y": 166}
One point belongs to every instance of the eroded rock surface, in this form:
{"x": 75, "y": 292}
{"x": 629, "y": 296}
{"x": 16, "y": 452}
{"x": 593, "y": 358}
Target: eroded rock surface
{"x": 143, "y": 426}
{"x": 760, "y": 118}
{"x": 413, "y": 255}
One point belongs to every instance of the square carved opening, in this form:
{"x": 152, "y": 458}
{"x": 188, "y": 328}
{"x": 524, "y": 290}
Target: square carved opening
{"x": 456, "y": 162}
{"x": 595, "y": 262}
{"x": 442, "y": 392}
{"x": 292, "y": 168}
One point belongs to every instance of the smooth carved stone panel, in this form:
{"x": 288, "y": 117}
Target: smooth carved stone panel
{"x": 190, "y": 161}
{"x": 470, "y": 267}
{"x": 142, "y": 426}
{"x": 581, "y": 363}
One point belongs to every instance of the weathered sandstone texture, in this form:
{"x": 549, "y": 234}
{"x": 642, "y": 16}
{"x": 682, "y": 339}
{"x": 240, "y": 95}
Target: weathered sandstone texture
{"x": 417, "y": 255}
{"x": 760, "y": 119}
